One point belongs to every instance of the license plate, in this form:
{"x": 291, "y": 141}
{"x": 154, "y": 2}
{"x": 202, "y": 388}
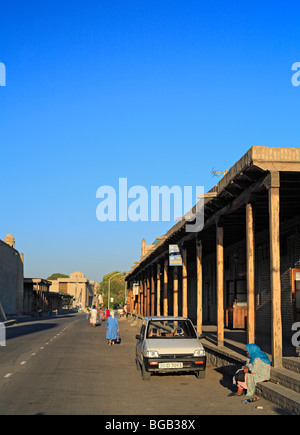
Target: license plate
{"x": 171, "y": 365}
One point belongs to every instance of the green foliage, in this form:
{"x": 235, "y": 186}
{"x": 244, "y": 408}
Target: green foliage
{"x": 55, "y": 276}
{"x": 117, "y": 288}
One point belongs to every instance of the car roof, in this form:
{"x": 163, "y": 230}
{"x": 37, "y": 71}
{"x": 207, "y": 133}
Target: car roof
{"x": 165, "y": 318}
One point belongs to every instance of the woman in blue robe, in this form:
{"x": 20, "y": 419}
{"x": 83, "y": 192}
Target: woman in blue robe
{"x": 112, "y": 327}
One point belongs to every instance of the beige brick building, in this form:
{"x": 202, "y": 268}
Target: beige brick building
{"x": 81, "y": 288}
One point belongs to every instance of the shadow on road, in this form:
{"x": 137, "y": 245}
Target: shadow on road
{"x": 32, "y": 326}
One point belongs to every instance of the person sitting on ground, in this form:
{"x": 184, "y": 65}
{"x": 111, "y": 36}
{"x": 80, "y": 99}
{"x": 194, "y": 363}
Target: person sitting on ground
{"x": 256, "y": 370}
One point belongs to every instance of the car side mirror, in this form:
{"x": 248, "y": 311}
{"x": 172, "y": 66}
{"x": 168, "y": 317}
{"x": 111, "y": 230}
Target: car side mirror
{"x": 138, "y": 337}
{"x": 200, "y": 336}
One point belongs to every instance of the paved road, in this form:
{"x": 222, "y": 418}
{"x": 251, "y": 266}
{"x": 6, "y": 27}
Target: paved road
{"x": 64, "y": 366}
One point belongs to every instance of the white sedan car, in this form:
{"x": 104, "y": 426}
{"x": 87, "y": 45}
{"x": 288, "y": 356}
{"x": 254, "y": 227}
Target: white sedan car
{"x": 169, "y": 344}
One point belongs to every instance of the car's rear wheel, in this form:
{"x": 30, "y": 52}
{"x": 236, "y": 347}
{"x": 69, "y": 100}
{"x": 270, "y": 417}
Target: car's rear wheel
{"x": 145, "y": 375}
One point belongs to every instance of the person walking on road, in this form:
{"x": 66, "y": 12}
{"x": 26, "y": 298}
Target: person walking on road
{"x": 94, "y": 316}
{"x": 112, "y": 326}
{"x": 100, "y": 315}
{"x": 87, "y": 312}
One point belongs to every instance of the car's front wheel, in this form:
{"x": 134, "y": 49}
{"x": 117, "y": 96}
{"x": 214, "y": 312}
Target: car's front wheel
{"x": 200, "y": 374}
{"x": 138, "y": 367}
{"x": 145, "y": 375}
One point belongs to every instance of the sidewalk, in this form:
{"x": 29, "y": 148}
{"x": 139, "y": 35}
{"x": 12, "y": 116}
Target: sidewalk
{"x": 235, "y": 344}
{"x": 284, "y": 385}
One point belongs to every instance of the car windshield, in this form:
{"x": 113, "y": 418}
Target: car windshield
{"x": 170, "y": 329}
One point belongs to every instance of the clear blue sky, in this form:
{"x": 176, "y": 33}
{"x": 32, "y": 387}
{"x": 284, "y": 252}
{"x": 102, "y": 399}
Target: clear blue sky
{"x": 159, "y": 92}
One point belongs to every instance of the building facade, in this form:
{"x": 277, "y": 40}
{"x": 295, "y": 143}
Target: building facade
{"x": 243, "y": 269}
{"x": 38, "y": 298}
{"x": 81, "y": 288}
{"x": 11, "y": 277}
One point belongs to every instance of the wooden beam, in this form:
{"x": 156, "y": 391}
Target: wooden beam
{"x": 220, "y": 285}
{"x": 274, "y": 229}
{"x": 199, "y": 286}
{"x": 237, "y": 203}
{"x": 208, "y": 195}
{"x": 184, "y": 283}
{"x": 250, "y": 274}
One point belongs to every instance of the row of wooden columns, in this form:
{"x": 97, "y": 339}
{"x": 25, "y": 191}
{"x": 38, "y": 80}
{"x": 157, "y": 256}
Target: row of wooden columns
{"x": 145, "y": 304}
{"x": 146, "y": 298}
{"x": 250, "y": 278}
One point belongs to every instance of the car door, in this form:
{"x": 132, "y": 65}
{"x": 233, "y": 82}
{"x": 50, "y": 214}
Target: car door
{"x": 139, "y": 344}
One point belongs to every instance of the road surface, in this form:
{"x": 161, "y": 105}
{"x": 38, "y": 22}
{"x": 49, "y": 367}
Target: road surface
{"x": 64, "y": 366}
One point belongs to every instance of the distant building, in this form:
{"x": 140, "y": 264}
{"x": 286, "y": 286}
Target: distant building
{"x": 11, "y": 277}
{"x": 39, "y": 299}
{"x": 81, "y": 288}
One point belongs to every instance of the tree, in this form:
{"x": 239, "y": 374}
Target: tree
{"x": 55, "y": 276}
{"x": 117, "y": 288}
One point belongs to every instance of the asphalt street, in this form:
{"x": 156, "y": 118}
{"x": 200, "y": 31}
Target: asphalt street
{"x": 63, "y": 366}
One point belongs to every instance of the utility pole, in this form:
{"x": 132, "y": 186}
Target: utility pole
{"x": 108, "y": 302}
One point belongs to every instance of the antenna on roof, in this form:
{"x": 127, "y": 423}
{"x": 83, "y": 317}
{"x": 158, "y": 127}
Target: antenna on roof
{"x": 218, "y": 173}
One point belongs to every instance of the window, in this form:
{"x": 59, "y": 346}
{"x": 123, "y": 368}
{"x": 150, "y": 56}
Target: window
{"x": 170, "y": 329}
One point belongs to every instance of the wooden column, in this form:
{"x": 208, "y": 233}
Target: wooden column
{"x": 145, "y": 294}
{"x": 273, "y": 184}
{"x": 220, "y": 285}
{"x": 142, "y": 295}
{"x": 152, "y": 292}
{"x": 148, "y": 293}
{"x": 250, "y": 255}
{"x": 175, "y": 291}
{"x": 139, "y": 299}
{"x": 138, "y": 302}
{"x": 199, "y": 286}
{"x": 158, "y": 290}
{"x": 166, "y": 264}
{"x": 184, "y": 284}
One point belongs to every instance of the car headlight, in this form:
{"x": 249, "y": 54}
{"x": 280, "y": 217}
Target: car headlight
{"x": 199, "y": 352}
{"x": 152, "y": 354}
